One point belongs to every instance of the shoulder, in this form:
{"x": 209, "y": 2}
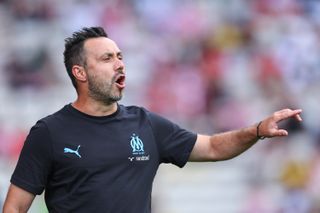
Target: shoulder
{"x": 54, "y": 117}
{"x": 133, "y": 110}
{"x": 138, "y": 111}
{"x": 155, "y": 119}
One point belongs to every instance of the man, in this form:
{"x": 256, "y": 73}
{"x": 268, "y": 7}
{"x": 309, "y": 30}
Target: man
{"x": 95, "y": 155}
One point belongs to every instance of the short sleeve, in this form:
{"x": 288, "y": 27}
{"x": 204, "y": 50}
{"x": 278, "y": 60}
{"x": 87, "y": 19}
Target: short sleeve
{"x": 175, "y": 144}
{"x": 34, "y": 163}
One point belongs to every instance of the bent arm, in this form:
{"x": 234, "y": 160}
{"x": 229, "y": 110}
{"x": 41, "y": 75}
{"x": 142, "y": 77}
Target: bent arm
{"x": 228, "y": 145}
{"x": 18, "y": 200}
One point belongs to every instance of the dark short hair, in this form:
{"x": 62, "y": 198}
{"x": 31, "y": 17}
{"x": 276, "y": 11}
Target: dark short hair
{"x": 74, "y": 53}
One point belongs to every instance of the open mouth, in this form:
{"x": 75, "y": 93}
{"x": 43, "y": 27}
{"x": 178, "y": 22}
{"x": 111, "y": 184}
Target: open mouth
{"x": 120, "y": 81}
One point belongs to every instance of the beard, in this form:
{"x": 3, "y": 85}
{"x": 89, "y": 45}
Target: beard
{"x": 102, "y": 91}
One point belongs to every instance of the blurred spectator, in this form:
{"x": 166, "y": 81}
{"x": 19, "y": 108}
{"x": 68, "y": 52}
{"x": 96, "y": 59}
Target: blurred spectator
{"x": 36, "y": 10}
{"x": 211, "y": 65}
{"x": 11, "y": 143}
{"x": 27, "y": 69}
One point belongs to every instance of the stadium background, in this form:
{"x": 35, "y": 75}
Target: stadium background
{"x": 208, "y": 65}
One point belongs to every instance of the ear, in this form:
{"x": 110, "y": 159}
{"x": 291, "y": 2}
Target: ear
{"x": 79, "y": 73}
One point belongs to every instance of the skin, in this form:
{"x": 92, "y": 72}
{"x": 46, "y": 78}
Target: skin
{"x": 230, "y": 144}
{"x": 103, "y": 63}
{"x": 97, "y": 96}
{"x": 18, "y": 200}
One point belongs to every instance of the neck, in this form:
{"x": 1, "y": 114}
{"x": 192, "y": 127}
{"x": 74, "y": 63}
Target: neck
{"x": 94, "y": 108}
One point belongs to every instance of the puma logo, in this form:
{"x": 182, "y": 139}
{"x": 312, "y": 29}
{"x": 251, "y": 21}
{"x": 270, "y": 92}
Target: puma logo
{"x": 76, "y": 152}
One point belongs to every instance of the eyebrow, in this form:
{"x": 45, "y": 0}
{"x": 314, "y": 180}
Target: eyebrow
{"x": 110, "y": 54}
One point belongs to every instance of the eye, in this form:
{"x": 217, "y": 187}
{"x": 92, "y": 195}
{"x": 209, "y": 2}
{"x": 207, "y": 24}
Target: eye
{"x": 120, "y": 57}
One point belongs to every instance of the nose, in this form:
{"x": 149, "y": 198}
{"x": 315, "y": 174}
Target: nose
{"x": 119, "y": 65}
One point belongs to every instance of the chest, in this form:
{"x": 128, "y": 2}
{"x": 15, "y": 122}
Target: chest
{"x": 108, "y": 144}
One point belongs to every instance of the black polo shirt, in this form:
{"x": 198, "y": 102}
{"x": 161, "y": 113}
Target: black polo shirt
{"x": 99, "y": 164}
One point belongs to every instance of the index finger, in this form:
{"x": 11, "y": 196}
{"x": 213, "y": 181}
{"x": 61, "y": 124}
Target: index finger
{"x": 298, "y": 117}
{"x": 287, "y": 113}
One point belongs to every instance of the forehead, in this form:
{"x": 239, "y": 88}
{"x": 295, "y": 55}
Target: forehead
{"x": 99, "y": 46}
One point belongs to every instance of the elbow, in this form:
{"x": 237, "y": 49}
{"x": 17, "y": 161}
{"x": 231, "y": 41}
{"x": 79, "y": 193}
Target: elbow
{"x": 12, "y": 209}
{"x": 7, "y": 208}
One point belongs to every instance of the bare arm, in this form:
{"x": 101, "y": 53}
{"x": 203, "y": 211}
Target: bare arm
{"x": 18, "y": 200}
{"x": 227, "y": 145}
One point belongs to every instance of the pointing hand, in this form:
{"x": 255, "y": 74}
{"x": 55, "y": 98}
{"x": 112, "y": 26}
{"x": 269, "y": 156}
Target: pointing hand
{"x": 269, "y": 126}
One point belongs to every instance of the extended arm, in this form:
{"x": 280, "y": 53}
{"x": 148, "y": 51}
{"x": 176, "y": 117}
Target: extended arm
{"x": 18, "y": 200}
{"x": 227, "y": 145}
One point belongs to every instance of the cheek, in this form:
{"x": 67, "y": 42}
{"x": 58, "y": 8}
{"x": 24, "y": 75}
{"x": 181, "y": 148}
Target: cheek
{"x": 105, "y": 71}
{"x": 101, "y": 72}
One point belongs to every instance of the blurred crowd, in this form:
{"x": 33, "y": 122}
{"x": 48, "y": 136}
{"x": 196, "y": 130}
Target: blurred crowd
{"x": 210, "y": 66}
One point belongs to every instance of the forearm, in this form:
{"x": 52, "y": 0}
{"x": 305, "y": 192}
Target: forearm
{"x": 230, "y": 144}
